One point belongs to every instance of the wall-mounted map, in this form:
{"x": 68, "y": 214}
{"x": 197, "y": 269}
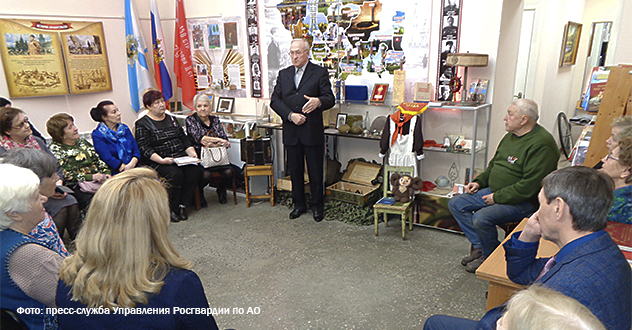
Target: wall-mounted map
{"x": 365, "y": 41}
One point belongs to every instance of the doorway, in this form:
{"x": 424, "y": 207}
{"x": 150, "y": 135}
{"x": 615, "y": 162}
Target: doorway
{"x": 521, "y": 87}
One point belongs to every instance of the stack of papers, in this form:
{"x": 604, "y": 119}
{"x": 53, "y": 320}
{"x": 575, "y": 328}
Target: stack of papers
{"x": 180, "y": 161}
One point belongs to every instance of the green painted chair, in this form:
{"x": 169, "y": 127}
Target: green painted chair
{"x": 405, "y": 210}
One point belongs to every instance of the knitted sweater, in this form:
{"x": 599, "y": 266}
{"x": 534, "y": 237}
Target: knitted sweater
{"x": 520, "y": 163}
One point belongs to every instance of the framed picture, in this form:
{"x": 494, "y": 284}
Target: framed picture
{"x": 379, "y": 93}
{"x": 341, "y": 120}
{"x": 570, "y": 43}
{"x": 225, "y": 104}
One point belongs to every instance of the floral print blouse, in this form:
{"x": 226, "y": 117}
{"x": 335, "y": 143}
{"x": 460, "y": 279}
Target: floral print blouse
{"x": 79, "y": 162}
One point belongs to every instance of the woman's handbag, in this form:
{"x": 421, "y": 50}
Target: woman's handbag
{"x": 214, "y": 156}
{"x": 89, "y": 187}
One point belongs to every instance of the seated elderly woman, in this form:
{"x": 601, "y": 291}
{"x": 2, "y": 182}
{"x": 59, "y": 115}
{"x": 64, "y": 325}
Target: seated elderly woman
{"x": 112, "y": 139}
{"x": 83, "y": 169}
{"x": 540, "y": 308}
{"x": 618, "y": 165}
{"x": 44, "y": 166}
{"x": 16, "y": 133}
{"x": 206, "y": 131}
{"x": 621, "y": 128}
{"x": 161, "y": 140}
{"x": 30, "y": 268}
{"x": 124, "y": 259}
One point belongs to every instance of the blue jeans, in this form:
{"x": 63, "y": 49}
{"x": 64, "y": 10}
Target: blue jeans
{"x": 444, "y": 322}
{"x": 478, "y": 220}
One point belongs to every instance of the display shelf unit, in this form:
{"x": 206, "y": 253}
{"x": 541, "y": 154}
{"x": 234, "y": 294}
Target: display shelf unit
{"x": 481, "y": 115}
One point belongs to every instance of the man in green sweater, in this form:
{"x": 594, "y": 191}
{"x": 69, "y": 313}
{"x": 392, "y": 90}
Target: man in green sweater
{"x": 507, "y": 191}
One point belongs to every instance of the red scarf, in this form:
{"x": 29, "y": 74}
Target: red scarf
{"x": 409, "y": 110}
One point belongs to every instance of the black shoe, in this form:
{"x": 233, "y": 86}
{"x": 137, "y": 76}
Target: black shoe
{"x": 319, "y": 215}
{"x": 475, "y": 254}
{"x": 297, "y": 213}
{"x": 221, "y": 195}
{"x": 175, "y": 217}
{"x": 183, "y": 213}
{"x": 474, "y": 264}
{"x": 203, "y": 202}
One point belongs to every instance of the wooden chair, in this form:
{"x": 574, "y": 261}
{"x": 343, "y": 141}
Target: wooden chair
{"x": 405, "y": 210}
{"x": 255, "y": 170}
{"x": 217, "y": 176}
{"x": 197, "y": 200}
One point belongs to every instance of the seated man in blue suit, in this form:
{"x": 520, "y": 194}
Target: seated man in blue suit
{"x": 574, "y": 204}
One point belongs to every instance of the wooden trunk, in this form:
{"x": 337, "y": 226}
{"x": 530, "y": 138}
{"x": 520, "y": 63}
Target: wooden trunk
{"x": 356, "y": 186}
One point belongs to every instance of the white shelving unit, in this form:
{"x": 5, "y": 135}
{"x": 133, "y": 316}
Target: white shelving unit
{"x": 480, "y": 119}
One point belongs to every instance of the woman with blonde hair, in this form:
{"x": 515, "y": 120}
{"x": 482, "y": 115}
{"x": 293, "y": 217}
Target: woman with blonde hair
{"x": 124, "y": 259}
{"x": 540, "y": 308}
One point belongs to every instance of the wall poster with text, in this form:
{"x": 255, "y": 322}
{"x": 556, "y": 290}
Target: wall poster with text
{"x": 218, "y": 59}
{"x": 86, "y": 58}
{"x": 44, "y": 58}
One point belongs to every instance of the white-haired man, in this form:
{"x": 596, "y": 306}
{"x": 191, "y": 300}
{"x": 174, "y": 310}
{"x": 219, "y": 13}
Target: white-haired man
{"x": 507, "y": 191}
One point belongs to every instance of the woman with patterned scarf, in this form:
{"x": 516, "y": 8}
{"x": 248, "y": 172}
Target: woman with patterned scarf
{"x": 112, "y": 139}
{"x": 15, "y": 133}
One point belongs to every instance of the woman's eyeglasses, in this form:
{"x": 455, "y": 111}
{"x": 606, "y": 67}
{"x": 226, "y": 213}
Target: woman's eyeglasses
{"x": 610, "y": 157}
{"x": 24, "y": 123}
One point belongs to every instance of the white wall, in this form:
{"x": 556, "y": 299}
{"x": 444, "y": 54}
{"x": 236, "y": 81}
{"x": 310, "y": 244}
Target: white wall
{"x": 487, "y": 26}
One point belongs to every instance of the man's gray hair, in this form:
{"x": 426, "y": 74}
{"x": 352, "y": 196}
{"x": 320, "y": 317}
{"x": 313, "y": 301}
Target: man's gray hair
{"x": 38, "y": 161}
{"x": 303, "y": 41}
{"x": 527, "y": 108}
{"x": 587, "y": 192}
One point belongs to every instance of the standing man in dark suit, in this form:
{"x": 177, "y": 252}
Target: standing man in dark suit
{"x": 301, "y": 94}
{"x": 589, "y": 267}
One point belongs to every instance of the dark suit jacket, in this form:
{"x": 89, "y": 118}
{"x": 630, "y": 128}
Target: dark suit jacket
{"x": 286, "y": 99}
{"x": 594, "y": 273}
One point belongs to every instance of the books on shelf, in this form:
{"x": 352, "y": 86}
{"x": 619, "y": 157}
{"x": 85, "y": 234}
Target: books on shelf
{"x": 423, "y": 92}
{"x": 478, "y": 90}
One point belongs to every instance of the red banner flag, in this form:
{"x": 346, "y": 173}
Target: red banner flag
{"x": 183, "y": 66}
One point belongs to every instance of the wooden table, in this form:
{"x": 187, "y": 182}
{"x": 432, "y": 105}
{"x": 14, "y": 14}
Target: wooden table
{"x": 494, "y": 270}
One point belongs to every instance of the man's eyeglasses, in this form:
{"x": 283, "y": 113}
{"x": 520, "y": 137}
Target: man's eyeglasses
{"x": 610, "y": 157}
{"x": 296, "y": 52}
{"x": 24, "y": 123}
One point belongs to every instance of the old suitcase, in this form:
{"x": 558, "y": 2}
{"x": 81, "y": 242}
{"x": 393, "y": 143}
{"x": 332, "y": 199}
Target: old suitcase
{"x": 356, "y": 186}
{"x": 256, "y": 151}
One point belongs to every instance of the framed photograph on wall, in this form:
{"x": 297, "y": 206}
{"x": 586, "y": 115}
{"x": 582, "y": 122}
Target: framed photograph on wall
{"x": 225, "y": 104}
{"x": 570, "y": 43}
{"x": 341, "y": 120}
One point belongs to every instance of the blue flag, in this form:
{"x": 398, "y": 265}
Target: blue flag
{"x": 137, "y": 70}
{"x": 163, "y": 80}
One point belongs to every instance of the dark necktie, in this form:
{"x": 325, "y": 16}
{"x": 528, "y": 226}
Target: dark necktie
{"x": 297, "y": 77}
